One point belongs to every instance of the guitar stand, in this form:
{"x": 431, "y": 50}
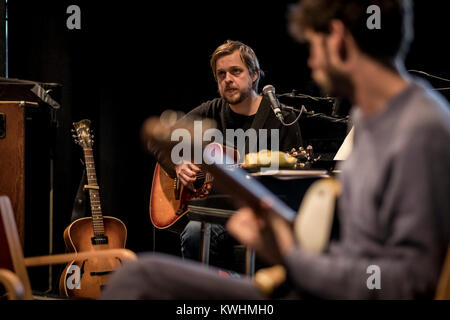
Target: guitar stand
{"x": 79, "y": 204}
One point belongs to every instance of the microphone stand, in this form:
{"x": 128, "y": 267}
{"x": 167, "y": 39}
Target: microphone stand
{"x": 312, "y": 114}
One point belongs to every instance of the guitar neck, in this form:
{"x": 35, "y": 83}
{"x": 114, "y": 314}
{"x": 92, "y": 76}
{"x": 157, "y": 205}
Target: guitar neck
{"x": 94, "y": 195}
{"x": 205, "y": 174}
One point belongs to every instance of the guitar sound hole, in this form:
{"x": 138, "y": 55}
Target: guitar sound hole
{"x": 198, "y": 183}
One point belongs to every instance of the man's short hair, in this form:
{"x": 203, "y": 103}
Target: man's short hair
{"x": 386, "y": 44}
{"x": 247, "y": 54}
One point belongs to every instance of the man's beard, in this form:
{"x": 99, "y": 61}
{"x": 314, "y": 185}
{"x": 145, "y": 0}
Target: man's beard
{"x": 338, "y": 84}
{"x": 236, "y": 99}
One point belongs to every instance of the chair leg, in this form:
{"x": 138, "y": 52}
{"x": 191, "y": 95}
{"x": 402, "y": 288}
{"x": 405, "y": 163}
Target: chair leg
{"x": 249, "y": 262}
{"x": 12, "y": 284}
{"x": 206, "y": 230}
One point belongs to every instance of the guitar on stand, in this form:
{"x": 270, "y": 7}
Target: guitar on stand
{"x": 85, "y": 279}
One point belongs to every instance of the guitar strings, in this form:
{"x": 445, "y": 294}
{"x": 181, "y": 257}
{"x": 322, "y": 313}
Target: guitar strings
{"x": 204, "y": 210}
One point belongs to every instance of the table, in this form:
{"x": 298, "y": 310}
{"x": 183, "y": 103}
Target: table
{"x": 289, "y": 185}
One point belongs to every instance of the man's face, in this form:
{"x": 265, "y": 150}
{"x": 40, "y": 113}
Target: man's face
{"x": 233, "y": 78}
{"x": 330, "y": 79}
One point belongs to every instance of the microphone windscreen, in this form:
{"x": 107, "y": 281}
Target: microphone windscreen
{"x": 268, "y": 88}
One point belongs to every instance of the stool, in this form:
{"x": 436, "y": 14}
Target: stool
{"x": 207, "y": 216}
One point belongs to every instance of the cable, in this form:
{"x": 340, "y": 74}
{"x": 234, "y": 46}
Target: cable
{"x": 313, "y": 115}
{"x": 429, "y": 75}
{"x": 296, "y": 119}
{"x": 433, "y": 76}
{"x": 293, "y": 94}
{"x": 324, "y": 116}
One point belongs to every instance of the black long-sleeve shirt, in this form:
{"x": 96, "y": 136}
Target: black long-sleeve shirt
{"x": 219, "y": 110}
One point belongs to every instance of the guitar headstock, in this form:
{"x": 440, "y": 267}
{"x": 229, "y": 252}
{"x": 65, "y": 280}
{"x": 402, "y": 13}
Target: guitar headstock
{"x": 83, "y": 136}
{"x": 305, "y": 157}
{"x": 157, "y": 133}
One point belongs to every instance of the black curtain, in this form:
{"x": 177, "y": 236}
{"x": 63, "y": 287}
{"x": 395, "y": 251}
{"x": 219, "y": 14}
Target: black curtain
{"x": 134, "y": 59}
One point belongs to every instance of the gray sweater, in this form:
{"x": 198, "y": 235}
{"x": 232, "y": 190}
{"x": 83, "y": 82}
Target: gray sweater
{"x": 394, "y": 211}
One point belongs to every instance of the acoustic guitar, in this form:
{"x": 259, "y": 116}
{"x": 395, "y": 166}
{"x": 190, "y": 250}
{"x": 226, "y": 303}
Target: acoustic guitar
{"x": 169, "y": 198}
{"x": 85, "y": 279}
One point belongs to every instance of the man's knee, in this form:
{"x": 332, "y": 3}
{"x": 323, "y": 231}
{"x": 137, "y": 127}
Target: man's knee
{"x": 191, "y": 233}
{"x": 190, "y": 240}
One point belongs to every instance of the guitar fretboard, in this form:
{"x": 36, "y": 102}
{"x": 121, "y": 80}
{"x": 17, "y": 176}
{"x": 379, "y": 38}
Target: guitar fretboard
{"x": 94, "y": 195}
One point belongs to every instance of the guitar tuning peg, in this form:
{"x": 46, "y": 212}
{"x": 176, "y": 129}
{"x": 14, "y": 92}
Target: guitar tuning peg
{"x": 72, "y": 130}
{"x": 74, "y": 136}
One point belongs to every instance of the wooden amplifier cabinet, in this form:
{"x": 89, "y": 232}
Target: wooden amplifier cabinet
{"x": 25, "y": 141}
{"x": 28, "y": 114}
{"x": 12, "y": 157}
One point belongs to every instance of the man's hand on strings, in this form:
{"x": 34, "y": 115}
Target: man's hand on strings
{"x": 186, "y": 173}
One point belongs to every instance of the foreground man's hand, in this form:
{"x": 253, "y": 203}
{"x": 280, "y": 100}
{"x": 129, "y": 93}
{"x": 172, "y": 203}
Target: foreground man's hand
{"x": 267, "y": 233}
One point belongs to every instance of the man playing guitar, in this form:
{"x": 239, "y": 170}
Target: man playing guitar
{"x": 237, "y": 72}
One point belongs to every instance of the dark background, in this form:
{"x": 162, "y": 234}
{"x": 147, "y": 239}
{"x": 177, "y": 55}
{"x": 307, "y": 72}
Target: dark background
{"x": 134, "y": 59}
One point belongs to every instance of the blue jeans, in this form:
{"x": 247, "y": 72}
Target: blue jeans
{"x": 221, "y": 250}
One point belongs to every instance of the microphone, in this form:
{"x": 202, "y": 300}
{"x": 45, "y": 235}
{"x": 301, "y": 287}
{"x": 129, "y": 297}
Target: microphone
{"x": 269, "y": 91}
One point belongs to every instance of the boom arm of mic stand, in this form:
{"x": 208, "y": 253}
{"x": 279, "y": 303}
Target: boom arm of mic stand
{"x": 315, "y": 115}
